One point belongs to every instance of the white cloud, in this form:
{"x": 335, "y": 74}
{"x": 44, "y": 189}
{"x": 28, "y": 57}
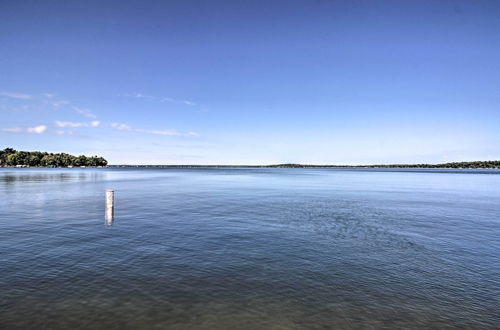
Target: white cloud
{"x": 68, "y": 124}
{"x": 84, "y": 112}
{"x": 37, "y": 129}
{"x": 61, "y": 132}
{"x": 159, "y": 132}
{"x": 16, "y": 95}
{"x": 168, "y": 99}
{"x": 168, "y": 132}
{"x": 122, "y": 127}
{"x": 14, "y": 130}
{"x": 58, "y": 103}
{"x": 30, "y": 130}
{"x": 44, "y": 101}
{"x": 41, "y": 101}
{"x": 94, "y": 123}
{"x": 160, "y": 99}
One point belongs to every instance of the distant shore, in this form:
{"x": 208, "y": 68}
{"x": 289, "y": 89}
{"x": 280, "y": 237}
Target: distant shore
{"x": 390, "y": 166}
{"x": 11, "y": 158}
{"x": 454, "y": 165}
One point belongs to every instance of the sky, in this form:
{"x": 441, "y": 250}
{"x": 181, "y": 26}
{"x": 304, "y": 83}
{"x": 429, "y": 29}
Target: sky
{"x": 252, "y": 82}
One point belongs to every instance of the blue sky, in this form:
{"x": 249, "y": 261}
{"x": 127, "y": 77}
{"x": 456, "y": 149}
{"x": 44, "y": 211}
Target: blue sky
{"x": 252, "y": 82}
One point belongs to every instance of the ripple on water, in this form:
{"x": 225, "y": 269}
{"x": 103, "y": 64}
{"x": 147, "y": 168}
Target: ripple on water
{"x": 244, "y": 249}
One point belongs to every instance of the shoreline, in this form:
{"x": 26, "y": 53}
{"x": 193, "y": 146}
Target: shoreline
{"x": 419, "y": 166}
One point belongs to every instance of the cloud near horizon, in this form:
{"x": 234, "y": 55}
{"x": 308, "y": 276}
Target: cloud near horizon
{"x": 13, "y": 95}
{"x": 51, "y": 101}
{"x": 61, "y": 132}
{"x": 160, "y": 99}
{"x": 40, "y": 129}
{"x": 94, "y": 123}
{"x": 168, "y": 132}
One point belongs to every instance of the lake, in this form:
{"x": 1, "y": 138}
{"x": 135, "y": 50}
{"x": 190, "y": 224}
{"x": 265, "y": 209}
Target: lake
{"x": 250, "y": 248}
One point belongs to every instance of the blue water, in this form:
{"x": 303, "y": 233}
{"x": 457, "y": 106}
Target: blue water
{"x": 250, "y": 249}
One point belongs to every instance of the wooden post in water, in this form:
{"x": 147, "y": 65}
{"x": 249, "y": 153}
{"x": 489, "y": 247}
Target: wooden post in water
{"x": 110, "y": 206}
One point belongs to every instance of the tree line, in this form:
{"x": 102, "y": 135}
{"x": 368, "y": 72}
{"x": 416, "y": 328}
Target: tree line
{"x": 459, "y": 165}
{"x": 11, "y": 157}
{"x": 470, "y": 165}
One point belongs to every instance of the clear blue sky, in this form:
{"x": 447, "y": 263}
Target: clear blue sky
{"x": 252, "y": 82}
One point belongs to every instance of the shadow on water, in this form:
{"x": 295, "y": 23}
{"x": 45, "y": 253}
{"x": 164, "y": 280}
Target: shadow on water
{"x": 48, "y": 176}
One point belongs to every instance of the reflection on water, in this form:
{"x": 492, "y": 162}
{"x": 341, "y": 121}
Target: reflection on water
{"x": 36, "y": 175}
{"x": 249, "y": 249}
{"x": 110, "y": 207}
{"x": 109, "y": 216}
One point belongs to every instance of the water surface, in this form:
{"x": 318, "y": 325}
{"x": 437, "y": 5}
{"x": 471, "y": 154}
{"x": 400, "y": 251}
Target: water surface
{"x": 250, "y": 249}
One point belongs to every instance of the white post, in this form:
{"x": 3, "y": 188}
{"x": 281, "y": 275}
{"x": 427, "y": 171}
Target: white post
{"x": 110, "y": 206}
{"x": 110, "y": 194}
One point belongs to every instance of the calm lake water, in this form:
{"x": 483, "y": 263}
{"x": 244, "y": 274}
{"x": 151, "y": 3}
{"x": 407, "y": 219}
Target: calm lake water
{"x": 250, "y": 249}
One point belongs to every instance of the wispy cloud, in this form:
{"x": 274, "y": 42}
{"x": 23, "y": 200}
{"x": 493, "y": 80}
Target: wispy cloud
{"x": 40, "y": 129}
{"x": 94, "y": 123}
{"x": 14, "y": 101}
{"x": 84, "y": 112}
{"x": 13, "y": 95}
{"x": 37, "y": 129}
{"x": 58, "y": 103}
{"x": 160, "y": 99}
{"x": 167, "y": 132}
{"x": 122, "y": 127}
{"x": 61, "y": 132}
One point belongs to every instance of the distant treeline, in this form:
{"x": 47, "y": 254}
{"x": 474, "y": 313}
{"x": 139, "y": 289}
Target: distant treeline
{"x": 465, "y": 165}
{"x": 11, "y": 157}
{"x": 475, "y": 164}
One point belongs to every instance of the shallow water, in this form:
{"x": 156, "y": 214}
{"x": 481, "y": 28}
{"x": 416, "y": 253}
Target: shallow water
{"x": 250, "y": 249}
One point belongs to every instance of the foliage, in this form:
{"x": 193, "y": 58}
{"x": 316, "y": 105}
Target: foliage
{"x": 11, "y": 157}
